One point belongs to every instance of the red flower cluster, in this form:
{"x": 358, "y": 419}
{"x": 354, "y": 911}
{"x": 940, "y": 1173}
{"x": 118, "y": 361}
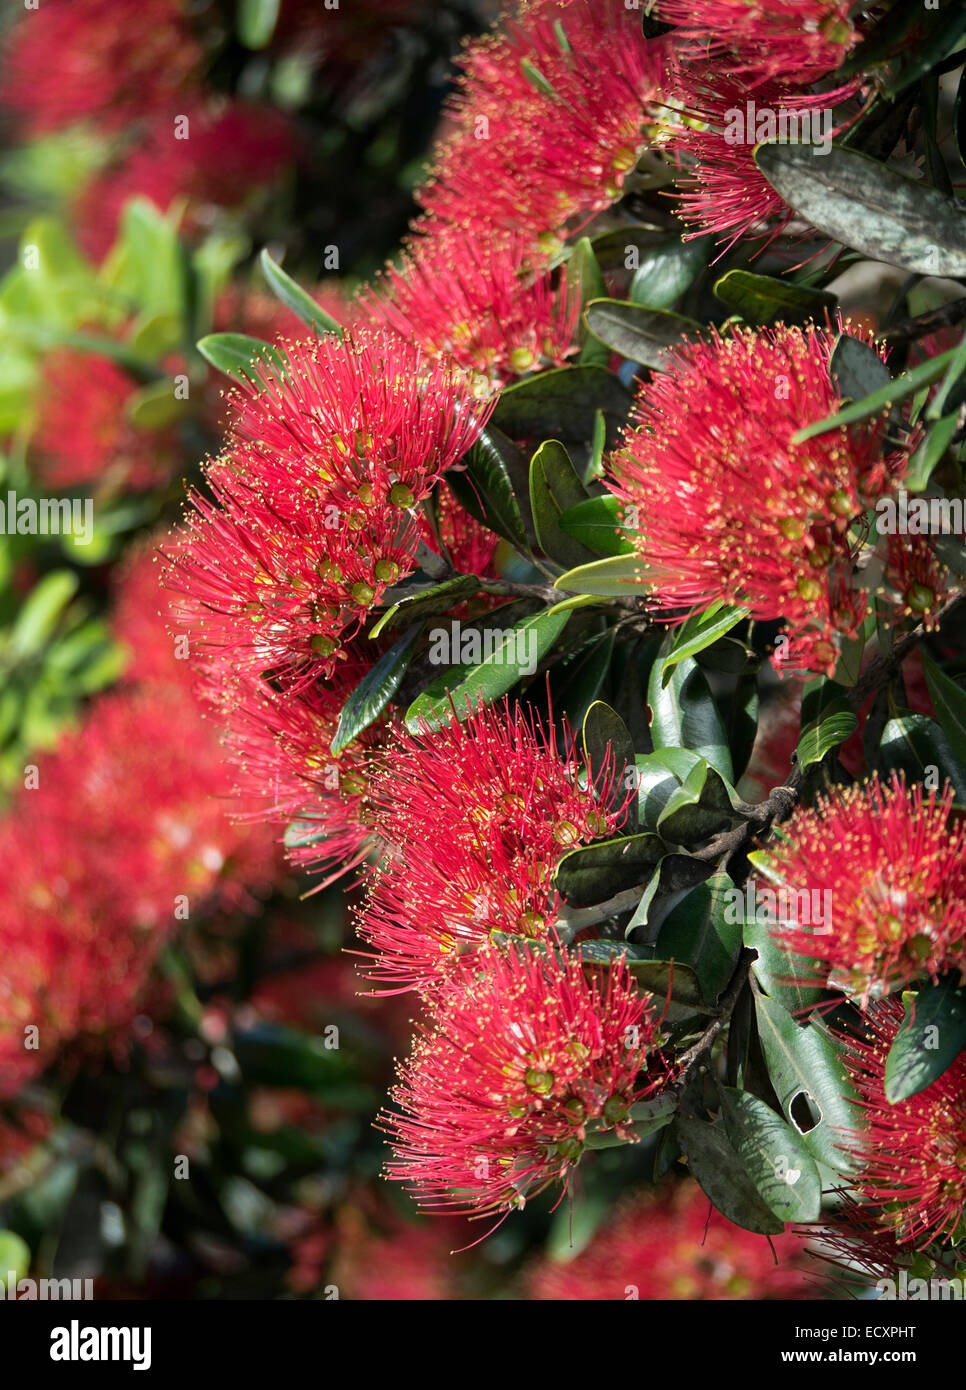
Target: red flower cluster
{"x": 896, "y": 871}
{"x": 550, "y": 119}
{"x": 107, "y": 854}
{"x": 674, "y": 1245}
{"x": 479, "y": 303}
{"x": 722, "y": 190}
{"x": 209, "y": 157}
{"x": 912, "y": 1154}
{"x": 525, "y": 1053}
{"x": 313, "y": 513}
{"x": 109, "y": 61}
{"x": 764, "y": 39}
{"x": 475, "y": 819}
{"x": 730, "y": 508}
{"x": 83, "y": 436}
{"x": 279, "y": 746}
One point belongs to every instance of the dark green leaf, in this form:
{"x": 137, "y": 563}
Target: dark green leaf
{"x": 721, "y": 1175}
{"x": 869, "y": 206}
{"x": 773, "y": 1155}
{"x": 949, "y": 702}
{"x": 594, "y": 873}
{"x": 514, "y": 656}
{"x": 858, "y": 369}
{"x": 641, "y": 335}
{"x": 482, "y": 485}
{"x": 699, "y": 631}
{"x": 426, "y": 603}
{"x": 780, "y": 974}
{"x": 764, "y": 299}
{"x": 930, "y": 1038}
{"x": 918, "y": 746}
{"x": 554, "y": 487}
{"x": 374, "y": 691}
{"x": 667, "y": 271}
{"x": 562, "y": 404}
{"x": 698, "y": 933}
{"x": 604, "y": 730}
{"x": 803, "y": 1063}
{"x": 684, "y": 715}
{"x": 835, "y": 725}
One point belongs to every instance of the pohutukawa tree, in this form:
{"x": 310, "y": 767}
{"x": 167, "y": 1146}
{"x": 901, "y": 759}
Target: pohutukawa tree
{"x": 490, "y": 585}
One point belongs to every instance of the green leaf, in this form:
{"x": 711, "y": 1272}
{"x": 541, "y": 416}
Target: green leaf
{"x": 684, "y": 715}
{"x": 869, "y": 207}
{"x": 594, "y": 873}
{"x": 773, "y": 1155}
{"x": 240, "y": 357}
{"x": 668, "y": 979}
{"x": 879, "y": 401}
{"x": 949, "y": 703}
{"x": 857, "y": 369}
{"x": 658, "y": 776}
{"x": 374, "y": 691}
{"x": 918, "y": 746}
{"x": 623, "y": 247}
{"x": 493, "y": 677}
{"x": 619, "y": 576}
{"x": 295, "y": 298}
{"x": 779, "y": 973}
{"x": 836, "y": 723}
{"x": 577, "y": 680}
{"x": 641, "y": 335}
{"x": 15, "y": 1259}
{"x": 667, "y": 271}
{"x": 584, "y": 277}
{"x": 699, "y": 631}
{"x": 930, "y": 1038}
{"x": 154, "y": 335}
{"x": 255, "y": 22}
{"x": 701, "y": 806}
{"x": 426, "y": 603}
{"x": 562, "y": 404}
{"x": 803, "y": 1065}
{"x": 721, "y": 1175}
{"x": 40, "y": 613}
{"x": 156, "y": 406}
{"x": 647, "y": 1117}
{"x": 482, "y": 484}
{"x": 598, "y": 523}
{"x": 604, "y": 729}
{"x": 555, "y": 486}
{"x": 763, "y": 299}
{"x": 929, "y": 452}
{"x": 697, "y": 932}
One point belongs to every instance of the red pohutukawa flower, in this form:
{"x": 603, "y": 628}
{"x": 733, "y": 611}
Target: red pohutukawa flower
{"x": 551, "y": 117}
{"x": 105, "y": 858}
{"x": 313, "y": 516}
{"x": 480, "y": 303}
{"x": 797, "y": 40}
{"x": 674, "y": 1245}
{"x": 112, "y": 61}
{"x": 912, "y": 1154}
{"x": 525, "y": 1053}
{"x": 916, "y": 580}
{"x": 721, "y": 188}
{"x": 280, "y": 747}
{"x": 83, "y": 436}
{"x": 730, "y": 508}
{"x": 210, "y": 157}
{"x": 469, "y": 544}
{"x": 895, "y": 868}
{"x": 475, "y": 818}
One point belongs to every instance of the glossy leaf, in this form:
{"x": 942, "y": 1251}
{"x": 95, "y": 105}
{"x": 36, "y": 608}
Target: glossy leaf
{"x": 374, "y": 691}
